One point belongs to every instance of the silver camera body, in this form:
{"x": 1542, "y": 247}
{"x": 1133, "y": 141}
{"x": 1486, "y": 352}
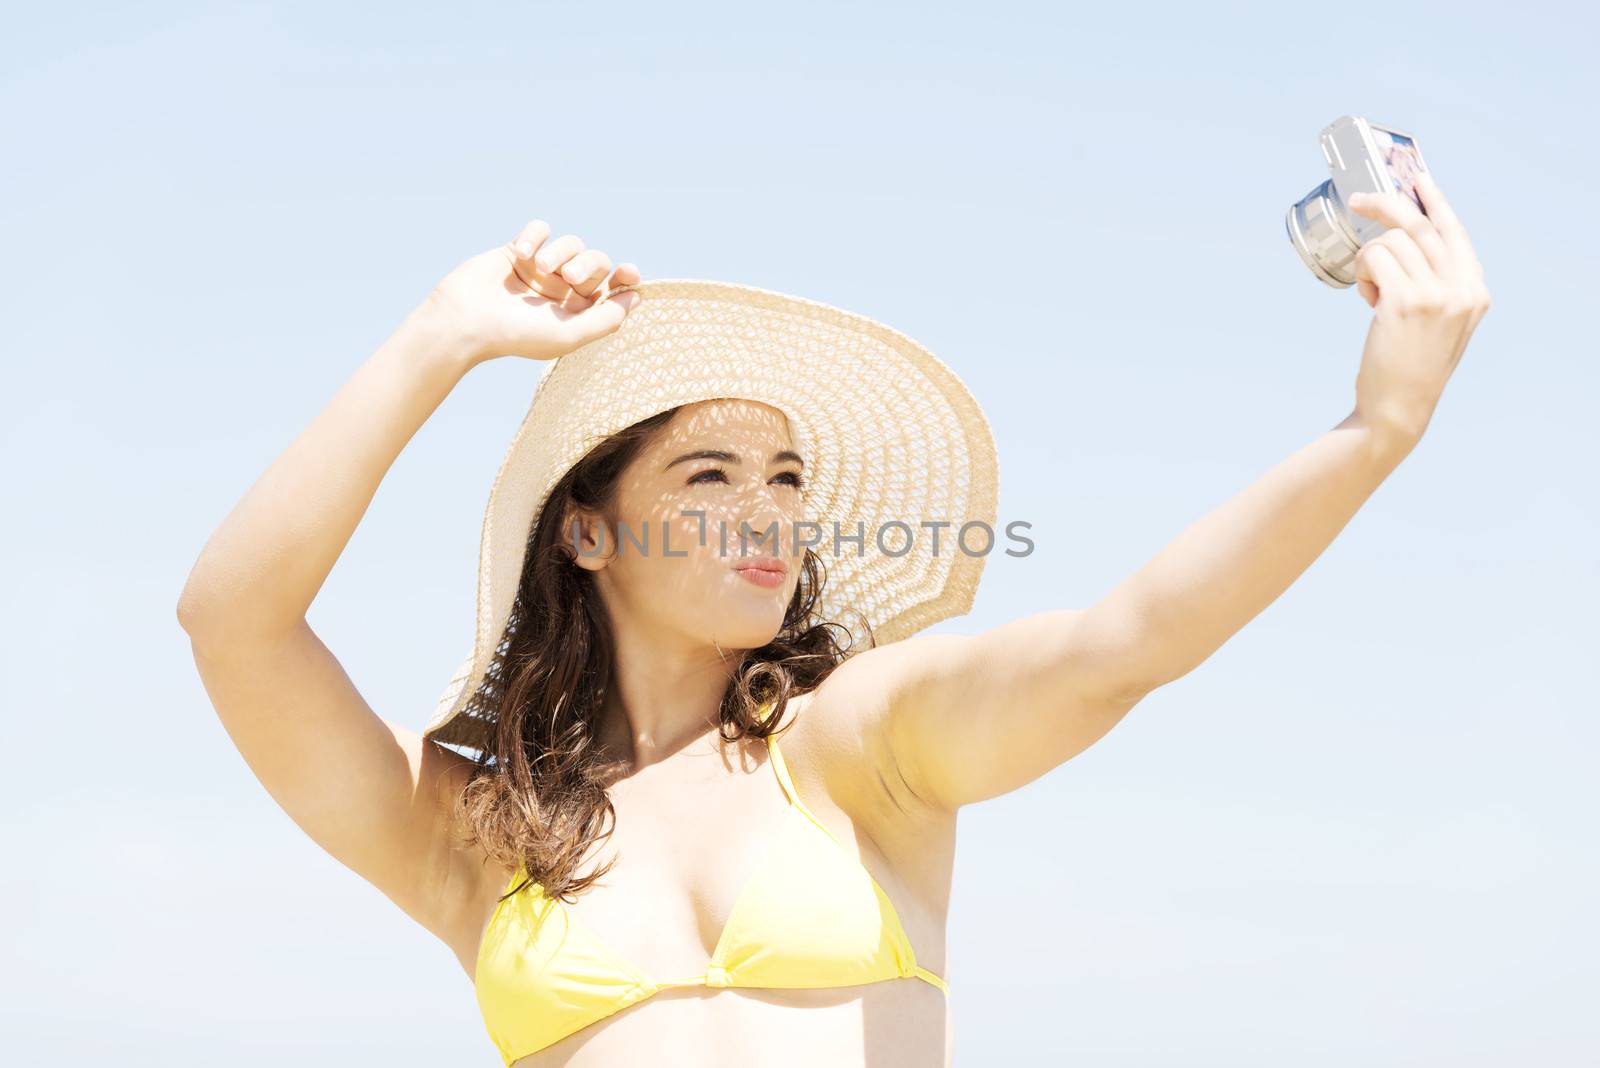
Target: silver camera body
{"x": 1362, "y": 158}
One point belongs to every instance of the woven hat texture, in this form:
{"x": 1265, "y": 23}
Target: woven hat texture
{"x": 889, "y": 434}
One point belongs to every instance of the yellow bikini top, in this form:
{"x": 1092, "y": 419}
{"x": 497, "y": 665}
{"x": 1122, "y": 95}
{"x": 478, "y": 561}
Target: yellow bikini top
{"x": 811, "y": 916}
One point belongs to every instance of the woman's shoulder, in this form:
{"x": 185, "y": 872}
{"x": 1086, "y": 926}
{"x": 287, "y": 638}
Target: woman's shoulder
{"x": 850, "y": 706}
{"x": 835, "y": 739}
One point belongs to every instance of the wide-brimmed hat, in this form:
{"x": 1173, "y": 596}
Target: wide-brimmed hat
{"x": 891, "y": 439}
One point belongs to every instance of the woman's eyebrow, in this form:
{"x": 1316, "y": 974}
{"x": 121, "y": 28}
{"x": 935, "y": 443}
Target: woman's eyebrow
{"x": 733, "y": 457}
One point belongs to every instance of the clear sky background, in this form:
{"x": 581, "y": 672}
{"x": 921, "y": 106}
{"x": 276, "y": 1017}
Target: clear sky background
{"x": 1362, "y": 832}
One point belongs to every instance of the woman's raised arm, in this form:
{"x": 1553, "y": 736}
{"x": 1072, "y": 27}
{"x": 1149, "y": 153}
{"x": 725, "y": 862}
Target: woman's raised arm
{"x": 369, "y": 791}
{"x": 974, "y": 717}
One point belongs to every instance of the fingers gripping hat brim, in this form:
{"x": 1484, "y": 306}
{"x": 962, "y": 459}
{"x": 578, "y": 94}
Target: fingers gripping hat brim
{"x": 891, "y": 438}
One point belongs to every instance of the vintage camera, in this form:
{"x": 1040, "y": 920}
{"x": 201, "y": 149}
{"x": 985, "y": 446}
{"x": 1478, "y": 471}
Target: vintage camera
{"x": 1362, "y": 158}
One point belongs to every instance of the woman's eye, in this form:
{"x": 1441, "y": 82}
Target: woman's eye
{"x": 718, "y": 474}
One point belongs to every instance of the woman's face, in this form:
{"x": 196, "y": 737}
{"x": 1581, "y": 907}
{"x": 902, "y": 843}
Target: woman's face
{"x": 720, "y": 486}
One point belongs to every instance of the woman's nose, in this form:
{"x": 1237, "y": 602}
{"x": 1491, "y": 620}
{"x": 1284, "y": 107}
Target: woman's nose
{"x": 762, "y": 529}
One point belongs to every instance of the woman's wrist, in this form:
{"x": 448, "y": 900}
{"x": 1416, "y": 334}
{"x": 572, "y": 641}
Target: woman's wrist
{"x": 1389, "y": 440}
{"x": 436, "y": 341}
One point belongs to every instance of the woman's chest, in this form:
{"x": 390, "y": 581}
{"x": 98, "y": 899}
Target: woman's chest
{"x": 727, "y": 906}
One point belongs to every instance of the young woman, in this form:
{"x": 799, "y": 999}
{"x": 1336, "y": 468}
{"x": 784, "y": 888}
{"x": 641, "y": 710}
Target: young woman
{"x": 664, "y": 642}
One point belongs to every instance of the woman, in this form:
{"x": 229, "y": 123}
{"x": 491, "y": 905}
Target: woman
{"x": 781, "y": 902}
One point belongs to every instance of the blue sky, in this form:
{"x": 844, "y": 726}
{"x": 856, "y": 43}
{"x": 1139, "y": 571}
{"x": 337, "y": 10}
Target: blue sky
{"x": 1359, "y": 832}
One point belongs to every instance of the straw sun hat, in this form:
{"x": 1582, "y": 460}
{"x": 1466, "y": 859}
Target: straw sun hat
{"x": 891, "y": 439}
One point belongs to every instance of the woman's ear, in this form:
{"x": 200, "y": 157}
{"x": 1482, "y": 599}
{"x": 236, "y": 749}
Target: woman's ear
{"x": 587, "y": 538}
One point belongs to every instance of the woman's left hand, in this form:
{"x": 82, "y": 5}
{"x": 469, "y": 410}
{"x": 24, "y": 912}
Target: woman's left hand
{"x": 1425, "y": 284}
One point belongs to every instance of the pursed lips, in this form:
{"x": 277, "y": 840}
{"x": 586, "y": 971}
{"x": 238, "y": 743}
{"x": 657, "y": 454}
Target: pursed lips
{"x": 762, "y": 563}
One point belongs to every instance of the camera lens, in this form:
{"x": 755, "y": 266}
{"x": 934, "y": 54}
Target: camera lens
{"x": 1320, "y": 231}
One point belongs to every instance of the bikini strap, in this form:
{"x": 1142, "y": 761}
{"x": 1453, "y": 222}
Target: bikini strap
{"x": 781, "y": 767}
{"x": 769, "y": 718}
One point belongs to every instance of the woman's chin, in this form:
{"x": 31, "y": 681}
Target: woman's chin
{"x": 749, "y": 625}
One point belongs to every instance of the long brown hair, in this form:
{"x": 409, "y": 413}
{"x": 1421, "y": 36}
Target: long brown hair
{"x": 536, "y": 795}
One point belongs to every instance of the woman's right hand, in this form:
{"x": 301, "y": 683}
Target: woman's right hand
{"x": 532, "y": 297}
